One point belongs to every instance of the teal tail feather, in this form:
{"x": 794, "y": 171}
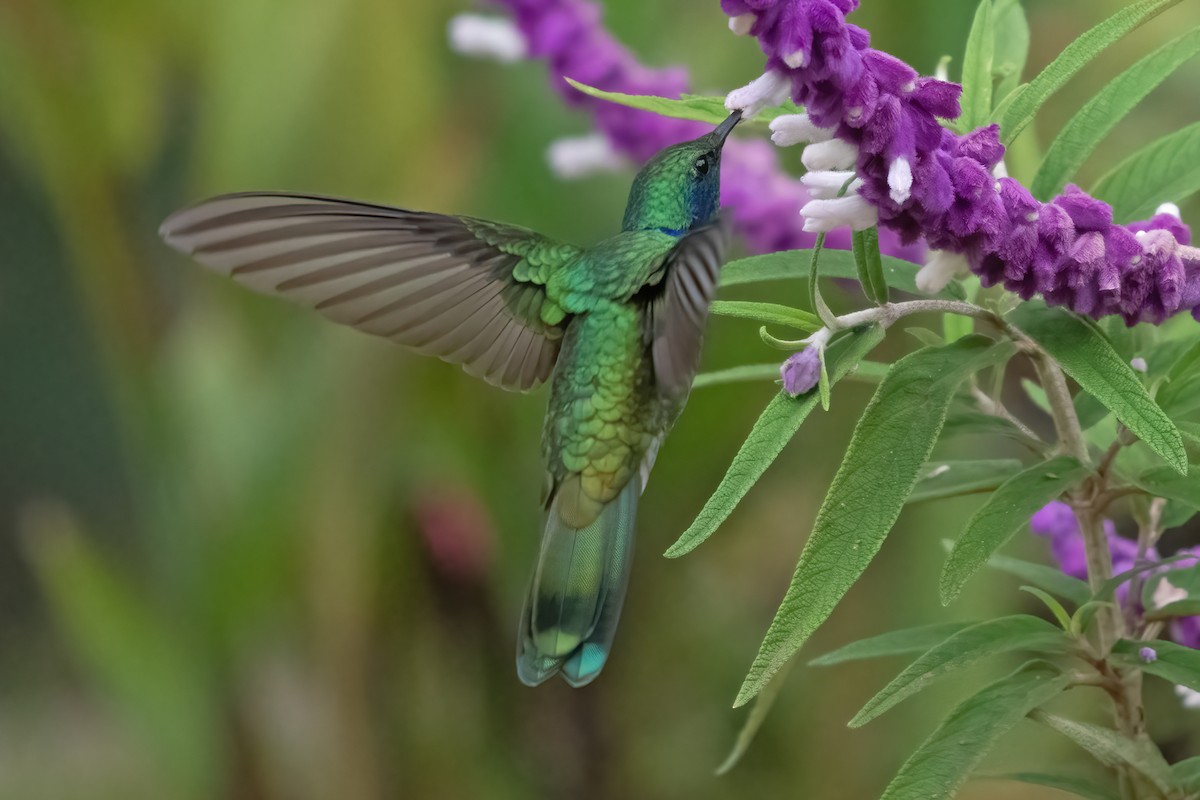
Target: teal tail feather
{"x": 575, "y": 596}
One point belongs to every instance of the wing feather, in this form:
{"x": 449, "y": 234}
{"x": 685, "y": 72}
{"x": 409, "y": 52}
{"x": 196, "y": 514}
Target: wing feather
{"x": 468, "y": 291}
{"x": 680, "y": 310}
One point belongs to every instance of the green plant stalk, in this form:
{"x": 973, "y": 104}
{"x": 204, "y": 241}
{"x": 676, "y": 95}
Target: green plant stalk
{"x": 1124, "y": 687}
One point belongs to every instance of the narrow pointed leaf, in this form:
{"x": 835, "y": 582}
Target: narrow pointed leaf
{"x": 770, "y": 313}
{"x": 891, "y": 442}
{"x": 1166, "y": 169}
{"x": 1086, "y": 356}
{"x": 1024, "y": 106}
{"x": 1004, "y": 513}
{"x": 1100, "y": 115}
{"x": 1174, "y": 662}
{"x": 793, "y": 265}
{"x": 758, "y": 714}
{"x": 952, "y": 478}
{"x": 1041, "y": 576}
{"x": 942, "y": 764}
{"x": 710, "y": 110}
{"x": 967, "y": 647}
{"x": 1166, "y": 482}
{"x": 904, "y": 642}
{"x": 1111, "y": 748}
{"x": 1011, "y": 32}
{"x": 1066, "y": 783}
{"x": 977, "y": 71}
{"x": 869, "y": 263}
{"x": 773, "y": 430}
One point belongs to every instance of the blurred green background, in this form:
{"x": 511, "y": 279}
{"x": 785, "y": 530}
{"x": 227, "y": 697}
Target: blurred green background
{"x": 247, "y": 554}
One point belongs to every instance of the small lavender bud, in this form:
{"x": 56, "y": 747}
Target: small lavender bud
{"x": 1148, "y": 654}
{"x": 801, "y": 372}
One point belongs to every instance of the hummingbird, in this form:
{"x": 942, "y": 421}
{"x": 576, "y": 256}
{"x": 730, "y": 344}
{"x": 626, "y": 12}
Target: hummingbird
{"x": 616, "y": 329}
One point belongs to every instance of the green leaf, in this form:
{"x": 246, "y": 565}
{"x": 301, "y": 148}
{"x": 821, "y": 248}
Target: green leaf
{"x": 977, "y": 71}
{"x": 1086, "y": 356}
{"x": 1003, "y": 514}
{"x": 1166, "y": 482}
{"x": 1056, "y": 608}
{"x": 1166, "y": 169}
{"x": 770, "y": 313}
{"x": 1182, "y": 608}
{"x": 1011, "y": 32}
{"x": 953, "y": 478}
{"x": 869, "y": 264}
{"x": 1099, "y": 115}
{"x": 967, "y": 647}
{"x": 738, "y": 374}
{"x": 1179, "y": 380}
{"x": 758, "y": 714}
{"x": 1175, "y": 663}
{"x": 1044, "y": 577}
{"x": 793, "y": 265}
{"x": 1111, "y": 748}
{"x": 941, "y": 765}
{"x": 689, "y": 106}
{"x": 908, "y": 641}
{"x": 1026, "y": 102}
{"x": 891, "y": 442}
{"x": 773, "y": 430}
{"x": 1066, "y": 783}
{"x": 967, "y": 422}
{"x": 1186, "y": 774}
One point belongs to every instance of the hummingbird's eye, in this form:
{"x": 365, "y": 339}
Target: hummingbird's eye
{"x": 701, "y": 166}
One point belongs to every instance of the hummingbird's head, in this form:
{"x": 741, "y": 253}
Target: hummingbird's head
{"x": 680, "y": 188}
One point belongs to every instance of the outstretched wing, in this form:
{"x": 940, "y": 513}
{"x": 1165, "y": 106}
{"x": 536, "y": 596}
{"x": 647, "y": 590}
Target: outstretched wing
{"x": 468, "y": 291}
{"x": 680, "y": 311}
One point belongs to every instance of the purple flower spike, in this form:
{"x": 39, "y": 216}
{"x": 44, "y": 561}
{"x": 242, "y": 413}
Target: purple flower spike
{"x": 802, "y": 371}
{"x": 926, "y": 182}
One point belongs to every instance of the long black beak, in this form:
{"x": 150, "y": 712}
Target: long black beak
{"x": 725, "y": 127}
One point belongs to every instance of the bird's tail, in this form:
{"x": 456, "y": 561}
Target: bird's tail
{"x": 576, "y": 593}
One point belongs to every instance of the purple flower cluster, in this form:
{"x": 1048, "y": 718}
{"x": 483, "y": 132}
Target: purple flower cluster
{"x": 764, "y": 201}
{"x": 925, "y": 181}
{"x": 1056, "y": 521}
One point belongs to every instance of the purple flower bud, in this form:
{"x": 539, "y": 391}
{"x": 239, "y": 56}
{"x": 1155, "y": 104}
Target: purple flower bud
{"x": 802, "y": 371}
{"x": 1148, "y": 655}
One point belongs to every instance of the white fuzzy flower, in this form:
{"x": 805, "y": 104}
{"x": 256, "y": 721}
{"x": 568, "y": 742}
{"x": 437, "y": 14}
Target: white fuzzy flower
{"x": 833, "y": 154}
{"x": 577, "y": 156}
{"x": 796, "y": 59}
{"x": 940, "y": 268}
{"x": 1165, "y": 594}
{"x": 1139, "y": 364}
{"x": 1168, "y": 208}
{"x": 851, "y": 210}
{"x": 790, "y": 129}
{"x": 826, "y": 184}
{"x": 1188, "y": 698}
{"x": 486, "y": 37}
{"x": 769, "y": 89}
{"x": 741, "y": 24}
{"x": 900, "y": 180}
